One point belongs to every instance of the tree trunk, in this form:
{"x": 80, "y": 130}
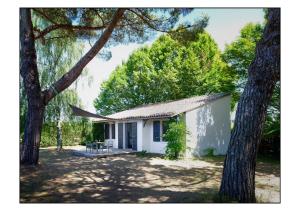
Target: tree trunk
{"x": 36, "y": 107}
{"x": 238, "y": 181}
{"x": 59, "y": 136}
{"x": 67, "y": 79}
{"x": 32, "y": 133}
{"x": 37, "y": 100}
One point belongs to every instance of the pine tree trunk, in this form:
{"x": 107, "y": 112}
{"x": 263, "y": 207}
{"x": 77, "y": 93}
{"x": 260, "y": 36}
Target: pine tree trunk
{"x": 238, "y": 181}
{"x": 32, "y": 133}
{"x": 36, "y": 107}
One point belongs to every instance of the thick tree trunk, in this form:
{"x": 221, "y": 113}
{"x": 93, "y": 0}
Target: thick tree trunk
{"x": 32, "y": 134}
{"x": 238, "y": 181}
{"x": 36, "y": 107}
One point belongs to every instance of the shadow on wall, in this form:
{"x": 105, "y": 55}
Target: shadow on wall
{"x": 213, "y": 130}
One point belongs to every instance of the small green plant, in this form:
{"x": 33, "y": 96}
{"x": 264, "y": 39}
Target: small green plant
{"x": 142, "y": 153}
{"x": 209, "y": 152}
{"x": 175, "y": 137}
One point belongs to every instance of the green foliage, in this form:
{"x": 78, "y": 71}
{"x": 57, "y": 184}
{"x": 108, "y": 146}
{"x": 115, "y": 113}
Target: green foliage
{"x": 175, "y": 137}
{"x": 55, "y": 58}
{"x": 272, "y": 124}
{"x": 241, "y": 52}
{"x": 239, "y": 55}
{"x": 73, "y": 133}
{"x": 209, "y": 152}
{"x": 167, "y": 70}
{"x": 142, "y": 154}
{"x": 98, "y": 131}
{"x": 136, "y": 24}
{"x": 185, "y": 35}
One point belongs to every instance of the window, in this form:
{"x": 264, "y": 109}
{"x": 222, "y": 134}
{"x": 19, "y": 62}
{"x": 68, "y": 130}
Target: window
{"x": 159, "y": 128}
{"x": 113, "y": 131}
{"x": 156, "y": 131}
{"x": 165, "y": 127}
{"x": 106, "y": 131}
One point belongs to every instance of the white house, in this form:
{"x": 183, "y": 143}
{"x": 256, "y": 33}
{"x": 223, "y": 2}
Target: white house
{"x": 207, "y": 119}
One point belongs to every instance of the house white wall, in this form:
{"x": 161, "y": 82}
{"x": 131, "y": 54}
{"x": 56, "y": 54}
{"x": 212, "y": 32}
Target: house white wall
{"x": 116, "y": 137}
{"x": 209, "y": 127}
{"x": 140, "y": 135}
{"x": 148, "y": 144}
{"x": 147, "y": 135}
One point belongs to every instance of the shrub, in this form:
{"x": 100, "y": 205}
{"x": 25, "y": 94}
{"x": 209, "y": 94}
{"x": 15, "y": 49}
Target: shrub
{"x": 73, "y": 133}
{"x": 98, "y": 131}
{"x": 175, "y": 137}
{"x": 209, "y": 152}
{"x": 142, "y": 153}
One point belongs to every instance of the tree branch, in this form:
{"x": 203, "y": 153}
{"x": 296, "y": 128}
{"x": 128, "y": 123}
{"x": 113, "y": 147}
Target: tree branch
{"x": 44, "y": 15}
{"x": 148, "y": 23}
{"x": 67, "y": 79}
{"x": 67, "y": 27}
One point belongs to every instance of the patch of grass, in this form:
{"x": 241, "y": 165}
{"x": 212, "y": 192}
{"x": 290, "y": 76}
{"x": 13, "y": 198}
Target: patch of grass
{"x": 145, "y": 154}
{"x": 209, "y": 151}
{"x": 212, "y": 159}
{"x": 142, "y": 154}
{"x": 268, "y": 159}
{"x": 224, "y": 199}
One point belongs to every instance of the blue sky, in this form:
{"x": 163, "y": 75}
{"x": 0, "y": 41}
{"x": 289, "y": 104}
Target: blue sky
{"x": 224, "y": 26}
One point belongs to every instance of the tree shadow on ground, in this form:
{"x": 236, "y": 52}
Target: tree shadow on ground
{"x": 62, "y": 177}
{"x": 264, "y": 165}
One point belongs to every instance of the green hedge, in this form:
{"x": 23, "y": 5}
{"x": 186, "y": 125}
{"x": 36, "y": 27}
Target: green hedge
{"x": 98, "y": 131}
{"x": 73, "y": 133}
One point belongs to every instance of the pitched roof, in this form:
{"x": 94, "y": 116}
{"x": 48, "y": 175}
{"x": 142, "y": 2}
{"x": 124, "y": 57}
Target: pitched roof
{"x": 164, "y": 109}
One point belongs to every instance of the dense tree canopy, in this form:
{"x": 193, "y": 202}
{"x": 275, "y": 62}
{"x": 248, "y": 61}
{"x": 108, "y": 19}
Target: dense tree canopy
{"x": 167, "y": 70}
{"x": 239, "y": 55}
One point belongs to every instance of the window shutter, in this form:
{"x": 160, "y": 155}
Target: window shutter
{"x": 113, "y": 131}
{"x": 156, "y": 131}
{"x": 106, "y": 131}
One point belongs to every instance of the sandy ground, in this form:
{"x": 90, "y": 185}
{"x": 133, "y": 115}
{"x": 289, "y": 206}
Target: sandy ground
{"x": 63, "y": 177}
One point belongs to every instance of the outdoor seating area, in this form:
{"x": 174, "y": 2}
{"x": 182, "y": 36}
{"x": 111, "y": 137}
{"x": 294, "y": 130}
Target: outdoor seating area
{"x": 99, "y": 146}
{"x": 99, "y": 149}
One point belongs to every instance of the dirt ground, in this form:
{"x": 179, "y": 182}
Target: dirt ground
{"x": 63, "y": 177}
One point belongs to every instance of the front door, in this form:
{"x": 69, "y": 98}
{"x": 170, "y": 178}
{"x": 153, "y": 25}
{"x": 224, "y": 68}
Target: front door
{"x": 131, "y": 135}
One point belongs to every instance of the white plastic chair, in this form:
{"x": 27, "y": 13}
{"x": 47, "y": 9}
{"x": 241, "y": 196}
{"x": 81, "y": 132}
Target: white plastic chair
{"x": 108, "y": 144}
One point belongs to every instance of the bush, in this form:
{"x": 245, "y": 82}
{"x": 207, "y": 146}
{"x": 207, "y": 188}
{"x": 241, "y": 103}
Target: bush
{"x": 73, "y": 133}
{"x": 143, "y": 153}
{"x": 98, "y": 131}
{"x": 209, "y": 152}
{"x": 175, "y": 137}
